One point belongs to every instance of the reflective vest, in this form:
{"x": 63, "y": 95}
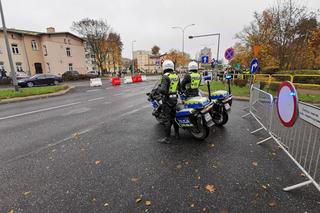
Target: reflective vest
{"x": 174, "y": 81}
{"x": 195, "y": 81}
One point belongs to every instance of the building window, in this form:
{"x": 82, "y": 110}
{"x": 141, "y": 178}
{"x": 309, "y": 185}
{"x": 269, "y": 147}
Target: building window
{"x": 49, "y": 68}
{"x": 34, "y": 45}
{"x": 15, "y": 49}
{"x": 45, "y": 50}
{"x": 19, "y": 67}
{"x": 65, "y": 40}
{"x": 69, "y": 42}
{"x": 70, "y": 67}
{"x": 68, "y": 50}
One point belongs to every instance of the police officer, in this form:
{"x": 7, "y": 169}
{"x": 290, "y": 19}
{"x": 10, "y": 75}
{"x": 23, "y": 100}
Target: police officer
{"x": 191, "y": 81}
{"x": 169, "y": 86}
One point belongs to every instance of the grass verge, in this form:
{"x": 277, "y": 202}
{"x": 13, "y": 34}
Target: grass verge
{"x": 24, "y": 92}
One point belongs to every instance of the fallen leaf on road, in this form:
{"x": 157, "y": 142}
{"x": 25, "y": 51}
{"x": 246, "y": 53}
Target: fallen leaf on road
{"x": 264, "y": 186}
{"x": 148, "y": 203}
{"x": 254, "y": 163}
{"x": 199, "y": 177}
{"x": 196, "y": 186}
{"x": 106, "y": 204}
{"x": 204, "y": 209}
{"x": 179, "y": 166}
{"x": 187, "y": 163}
{"x": 192, "y": 205}
{"x": 97, "y": 162}
{"x": 76, "y": 136}
{"x": 211, "y": 145}
{"x": 94, "y": 200}
{"x": 302, "y": 174}
{"x": 223, "y": 211}
{"x": 214, "y": 166}
{"x": 26, "y": 193}
{"x": 134, "y": 179}
{"x": 139, "y": 199}
{"x": 273, "y": 153}
{"x": 210, "y": 188}
{"x": 273, "y": 204}
{"x": 11, "y": 211}
{"x": 54, "y": 150}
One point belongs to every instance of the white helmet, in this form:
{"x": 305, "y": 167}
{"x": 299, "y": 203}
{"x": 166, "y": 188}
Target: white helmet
{"x": 167, "y": 65}
{"x": 193, "y": 66}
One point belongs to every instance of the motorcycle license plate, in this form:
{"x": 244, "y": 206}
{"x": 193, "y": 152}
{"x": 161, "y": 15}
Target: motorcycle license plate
{"x": 207, "y": 117}
{"x": 227, "y": 106}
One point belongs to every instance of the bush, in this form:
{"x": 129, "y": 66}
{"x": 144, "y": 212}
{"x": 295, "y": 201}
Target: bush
{"x": 274, "y": 86}
{"x": 307, "y": 79}
{"x": 85, "y": 77}
{"x": 5, "y": 81}
{"x": 240, "y": 82}
{"x": 263, "y": 85}
{"x": 270, "y": 70}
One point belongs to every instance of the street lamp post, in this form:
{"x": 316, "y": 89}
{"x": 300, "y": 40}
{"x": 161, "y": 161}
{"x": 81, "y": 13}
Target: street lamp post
{"x": 183, "y": 31}
{"x": 132, "y": 71}
{"x": 13, "y": 72}
{"x": 214, "y": 34}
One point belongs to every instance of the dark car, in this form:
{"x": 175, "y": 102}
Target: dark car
{"x": 71, "y": 76}
{"x": 39, "y": 80}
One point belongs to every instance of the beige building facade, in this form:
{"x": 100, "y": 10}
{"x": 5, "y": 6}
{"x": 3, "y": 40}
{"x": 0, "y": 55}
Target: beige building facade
{"x": 147, "y": 62}
{"x": 51, "y": 52}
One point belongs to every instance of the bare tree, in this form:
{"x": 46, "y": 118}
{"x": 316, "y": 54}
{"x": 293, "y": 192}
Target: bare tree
{"x": 95, "y": 32}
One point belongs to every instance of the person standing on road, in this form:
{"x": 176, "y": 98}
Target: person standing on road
{"x": 169, "y": 86}
{"x": 191, "y": 81}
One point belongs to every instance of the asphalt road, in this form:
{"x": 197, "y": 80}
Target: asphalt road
{"x": 95, "y": 150}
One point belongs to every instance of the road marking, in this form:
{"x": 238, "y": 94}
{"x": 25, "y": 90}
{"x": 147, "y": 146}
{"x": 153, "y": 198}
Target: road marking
{"x": 47, "y": 146}
{"x": 115, "y": 95}
{"x": 107, "y": 102}
{"x": 133, "y": 111}
{"x": 95, "y": 99}
{"x": 39, "y": 110}
{"x": 93, "y": 90}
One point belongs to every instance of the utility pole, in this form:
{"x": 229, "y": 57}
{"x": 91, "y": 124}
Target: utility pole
{"x": 132, "y": 71}
{"x": 13, "y": 72}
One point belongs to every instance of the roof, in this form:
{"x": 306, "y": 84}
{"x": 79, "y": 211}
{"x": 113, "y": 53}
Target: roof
{"x": 34, "y": 33}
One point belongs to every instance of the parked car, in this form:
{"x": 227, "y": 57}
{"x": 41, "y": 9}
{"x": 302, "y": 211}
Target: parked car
{"x": 40, "y": 79}
{"x": 21, "y": 74}
{"x": 71, "y": 76}
{"x": 93, "y": 73}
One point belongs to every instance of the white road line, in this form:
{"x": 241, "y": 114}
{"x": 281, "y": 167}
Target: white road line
{"x": 39, "y": 110}
{"x": 114, "y": 95}
{"x": 93, "y": 90}
{"x": 133, "y": 111}
{"x": 107, "y": 102}
{"x": 95, "y": 99}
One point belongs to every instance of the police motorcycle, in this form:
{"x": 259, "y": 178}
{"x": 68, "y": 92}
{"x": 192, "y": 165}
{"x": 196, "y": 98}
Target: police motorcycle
{"x": 193, "y": 115}
{"x": 222, "y": 104}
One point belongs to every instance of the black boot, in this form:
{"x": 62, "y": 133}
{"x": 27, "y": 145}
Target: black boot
{"x": 177, "y": 135}
{"x": 165, "y": 140}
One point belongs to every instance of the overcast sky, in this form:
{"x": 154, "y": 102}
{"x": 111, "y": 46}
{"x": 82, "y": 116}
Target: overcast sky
{"x": 149, "y": 22}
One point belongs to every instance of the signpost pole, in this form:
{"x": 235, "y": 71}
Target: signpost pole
{"x": 13, "y": 72}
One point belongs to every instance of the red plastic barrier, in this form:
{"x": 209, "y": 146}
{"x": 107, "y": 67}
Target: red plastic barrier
{"x": 116, "y": 81}
{"x": 136, "y": 78}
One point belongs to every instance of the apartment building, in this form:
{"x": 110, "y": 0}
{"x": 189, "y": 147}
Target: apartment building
{"x": 147, "y": 62}
{"x": 50, "y": 52}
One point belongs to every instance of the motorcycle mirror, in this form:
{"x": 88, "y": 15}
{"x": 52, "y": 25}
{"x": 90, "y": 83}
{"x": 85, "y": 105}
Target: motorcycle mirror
{"x": 148, "y": 94}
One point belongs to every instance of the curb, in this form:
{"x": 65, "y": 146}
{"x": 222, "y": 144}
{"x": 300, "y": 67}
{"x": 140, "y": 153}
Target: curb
{"x": 238, "y": 98}
{"x": 34, "y": 97}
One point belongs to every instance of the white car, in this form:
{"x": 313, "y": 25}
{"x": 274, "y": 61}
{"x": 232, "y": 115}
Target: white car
{"x": 93, "y": 73}
{"x": 21, "y": 74}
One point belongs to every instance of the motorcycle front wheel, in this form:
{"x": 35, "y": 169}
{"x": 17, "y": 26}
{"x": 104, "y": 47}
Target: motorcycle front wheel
{"x": 200, "y": 133}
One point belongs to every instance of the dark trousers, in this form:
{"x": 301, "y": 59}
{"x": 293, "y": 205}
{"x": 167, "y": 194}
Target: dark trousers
{"x": 169, "y": 114}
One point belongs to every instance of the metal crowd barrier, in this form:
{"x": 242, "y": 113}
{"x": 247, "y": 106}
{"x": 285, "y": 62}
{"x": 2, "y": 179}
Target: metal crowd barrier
{"x": 301, "y": 142}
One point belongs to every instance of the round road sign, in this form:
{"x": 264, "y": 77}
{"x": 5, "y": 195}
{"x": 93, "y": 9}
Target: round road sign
{"x": 287, "y": 105}
{"x": 229, "y": 53}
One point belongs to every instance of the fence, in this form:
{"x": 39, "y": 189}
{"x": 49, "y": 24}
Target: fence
{"x": 300, "y": 142}
{"x": 311, "y": 81}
